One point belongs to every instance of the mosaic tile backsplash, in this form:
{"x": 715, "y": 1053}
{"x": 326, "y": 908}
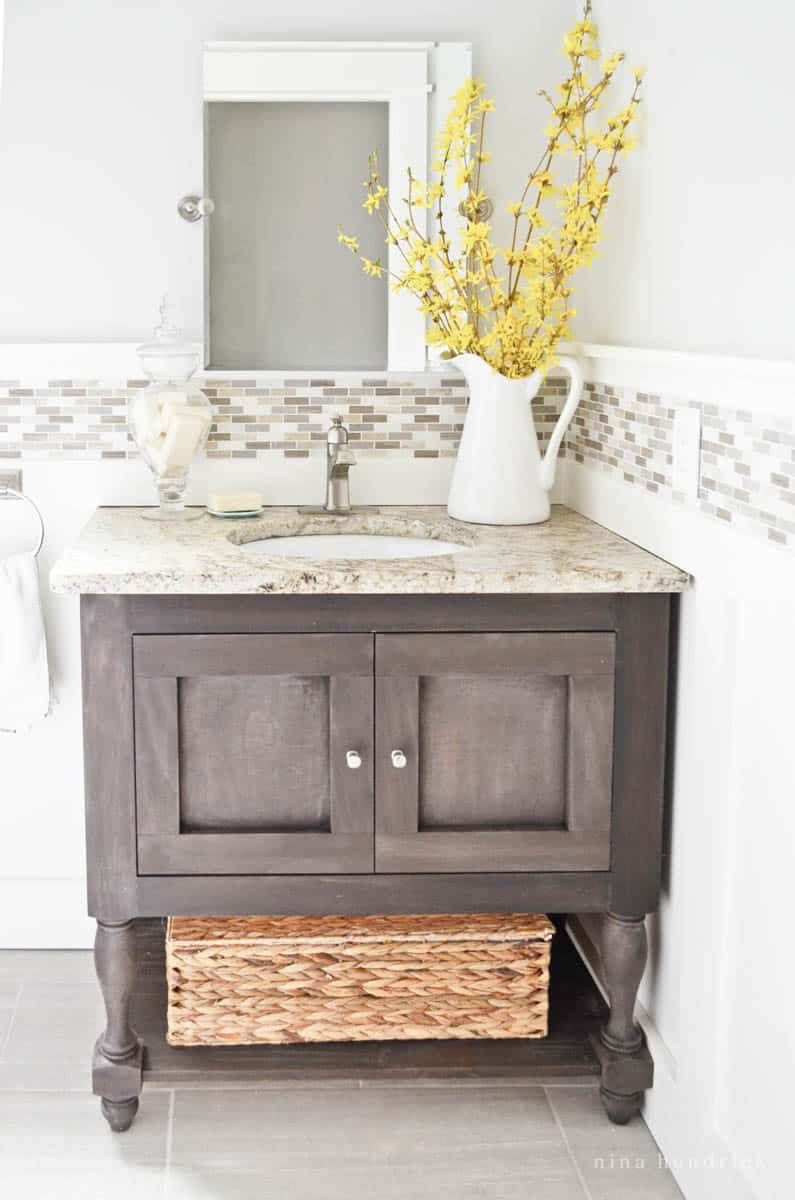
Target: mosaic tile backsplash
{"x": 747, "y": 470}
{"x": 747, "y": 463}
{"x": 418, "y": 415}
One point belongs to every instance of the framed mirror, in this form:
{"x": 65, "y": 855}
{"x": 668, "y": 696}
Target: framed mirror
{"x": 288, "y": 128}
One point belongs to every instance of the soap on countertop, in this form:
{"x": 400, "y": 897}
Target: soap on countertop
{"x": 235, "y": 501}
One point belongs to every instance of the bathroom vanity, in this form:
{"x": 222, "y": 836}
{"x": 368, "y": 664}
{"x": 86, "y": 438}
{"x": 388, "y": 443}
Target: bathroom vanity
{"x": 478, "y": 731}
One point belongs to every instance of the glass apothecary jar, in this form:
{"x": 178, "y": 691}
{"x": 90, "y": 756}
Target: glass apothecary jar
{"x": 170, "y": 418}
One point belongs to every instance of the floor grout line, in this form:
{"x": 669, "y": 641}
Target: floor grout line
{"x": 172, "y": 1098}
{"x": 12, "y": 1018}
{"x": 586, "y": 1191}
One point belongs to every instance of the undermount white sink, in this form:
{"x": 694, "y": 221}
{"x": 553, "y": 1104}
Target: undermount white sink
{"x": 350, "y": 546}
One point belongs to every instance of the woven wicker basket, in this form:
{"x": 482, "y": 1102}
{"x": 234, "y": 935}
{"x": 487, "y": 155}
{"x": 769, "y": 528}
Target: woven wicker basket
{"x": 262, "y": 980}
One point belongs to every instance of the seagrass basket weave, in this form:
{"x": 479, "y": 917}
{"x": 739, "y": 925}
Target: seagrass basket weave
{"x": 262, "y": 980}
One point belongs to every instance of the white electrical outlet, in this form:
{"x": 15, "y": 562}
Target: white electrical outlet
{"x": 687, "y": 451}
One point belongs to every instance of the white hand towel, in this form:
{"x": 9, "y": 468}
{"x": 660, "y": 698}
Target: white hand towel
{"x": 24, "y": 675}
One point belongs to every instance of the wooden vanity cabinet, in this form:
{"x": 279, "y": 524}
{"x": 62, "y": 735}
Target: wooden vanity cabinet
{"x": 364, "y": 754}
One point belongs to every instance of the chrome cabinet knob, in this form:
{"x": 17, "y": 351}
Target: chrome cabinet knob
{"x": 399, "y": 759}
{"x": 354, "y": 759}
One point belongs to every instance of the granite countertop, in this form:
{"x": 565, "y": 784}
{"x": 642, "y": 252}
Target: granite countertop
{"x": 118, "y": 552}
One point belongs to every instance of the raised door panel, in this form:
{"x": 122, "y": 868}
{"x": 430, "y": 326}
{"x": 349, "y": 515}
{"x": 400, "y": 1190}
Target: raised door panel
{"x": 236, "y": 732}
{"x": 242, "y": 753}
{"x": 477, "y": 766}
{"x": 507, "y": 741}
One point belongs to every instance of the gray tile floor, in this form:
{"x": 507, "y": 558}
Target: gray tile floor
{"x": 431, "y": 1141}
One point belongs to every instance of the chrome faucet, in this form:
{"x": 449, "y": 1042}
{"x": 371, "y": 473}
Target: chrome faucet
{"x": 339, "y": 460}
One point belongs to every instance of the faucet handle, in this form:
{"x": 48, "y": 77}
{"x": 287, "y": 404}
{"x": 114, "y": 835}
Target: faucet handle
{"x": 337, "y": 434}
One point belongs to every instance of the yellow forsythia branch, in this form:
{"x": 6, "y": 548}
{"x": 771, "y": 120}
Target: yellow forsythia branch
{"x": 509, "y": 304}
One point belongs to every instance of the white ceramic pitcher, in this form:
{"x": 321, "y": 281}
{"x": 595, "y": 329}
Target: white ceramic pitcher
{"x": 500, "y": 477}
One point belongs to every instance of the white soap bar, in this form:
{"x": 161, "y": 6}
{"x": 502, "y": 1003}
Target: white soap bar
{"x": 173, "y": 404}
{"x": 172, "y": 452}
{"x": 147, "y": 417}
{"x": 235, "y": 501}
{"x": 186, "y": 432}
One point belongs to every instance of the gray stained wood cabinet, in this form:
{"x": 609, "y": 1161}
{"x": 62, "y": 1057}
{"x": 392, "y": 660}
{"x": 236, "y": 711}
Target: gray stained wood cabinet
{"x": 374, "y": 754}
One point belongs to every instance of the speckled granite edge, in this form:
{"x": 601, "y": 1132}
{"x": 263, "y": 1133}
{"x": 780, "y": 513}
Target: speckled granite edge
{"x": 120, "y": 553}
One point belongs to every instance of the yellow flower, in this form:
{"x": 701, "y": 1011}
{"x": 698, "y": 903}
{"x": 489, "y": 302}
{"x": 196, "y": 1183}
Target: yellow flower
{"x": 372, "y": 267}
{"x": 464, "y": 174}
{"x": 351, "y": 242}
{"x": 475, "y": 233}
{"x": 372, "y": 201}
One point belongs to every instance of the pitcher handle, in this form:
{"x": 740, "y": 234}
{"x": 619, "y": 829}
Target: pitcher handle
{"x": 549, "y": 461}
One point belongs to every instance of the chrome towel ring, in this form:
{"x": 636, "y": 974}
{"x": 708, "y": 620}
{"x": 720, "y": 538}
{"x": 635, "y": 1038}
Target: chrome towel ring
{"x": 5, "y": 492}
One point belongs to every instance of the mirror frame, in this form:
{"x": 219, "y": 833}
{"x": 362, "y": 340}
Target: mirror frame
{"x": 415, "y": 79}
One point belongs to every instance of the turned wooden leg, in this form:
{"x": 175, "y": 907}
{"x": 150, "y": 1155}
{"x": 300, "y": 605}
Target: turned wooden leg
{"x": 118, "y": 1053}
{"x": 627, "y": 1068}
{"x": 624, "y": 959}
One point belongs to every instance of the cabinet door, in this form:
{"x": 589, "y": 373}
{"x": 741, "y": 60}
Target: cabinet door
{"x": 494, "y": 751}
{"x": 241, "y": 750}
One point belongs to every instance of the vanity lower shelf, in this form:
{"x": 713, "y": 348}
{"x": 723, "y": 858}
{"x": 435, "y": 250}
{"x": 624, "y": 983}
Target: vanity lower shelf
{"x": 577, "y": 1011}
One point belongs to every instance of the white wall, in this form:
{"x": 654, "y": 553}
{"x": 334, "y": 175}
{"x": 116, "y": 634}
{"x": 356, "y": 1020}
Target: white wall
{"x": 700, "y": 258}
{"x": 700, "y": 253}
{"x": 715, "y": 994}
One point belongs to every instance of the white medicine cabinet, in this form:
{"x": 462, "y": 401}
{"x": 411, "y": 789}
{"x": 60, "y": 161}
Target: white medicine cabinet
{"x": 287, "y": 132}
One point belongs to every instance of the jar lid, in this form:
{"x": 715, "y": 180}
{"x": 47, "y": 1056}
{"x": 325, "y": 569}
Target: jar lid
{"x": 168, "y": 355}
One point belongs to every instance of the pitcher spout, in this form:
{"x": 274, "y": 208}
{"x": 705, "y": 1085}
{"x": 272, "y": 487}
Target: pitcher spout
{"x": 474, "y": 368}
